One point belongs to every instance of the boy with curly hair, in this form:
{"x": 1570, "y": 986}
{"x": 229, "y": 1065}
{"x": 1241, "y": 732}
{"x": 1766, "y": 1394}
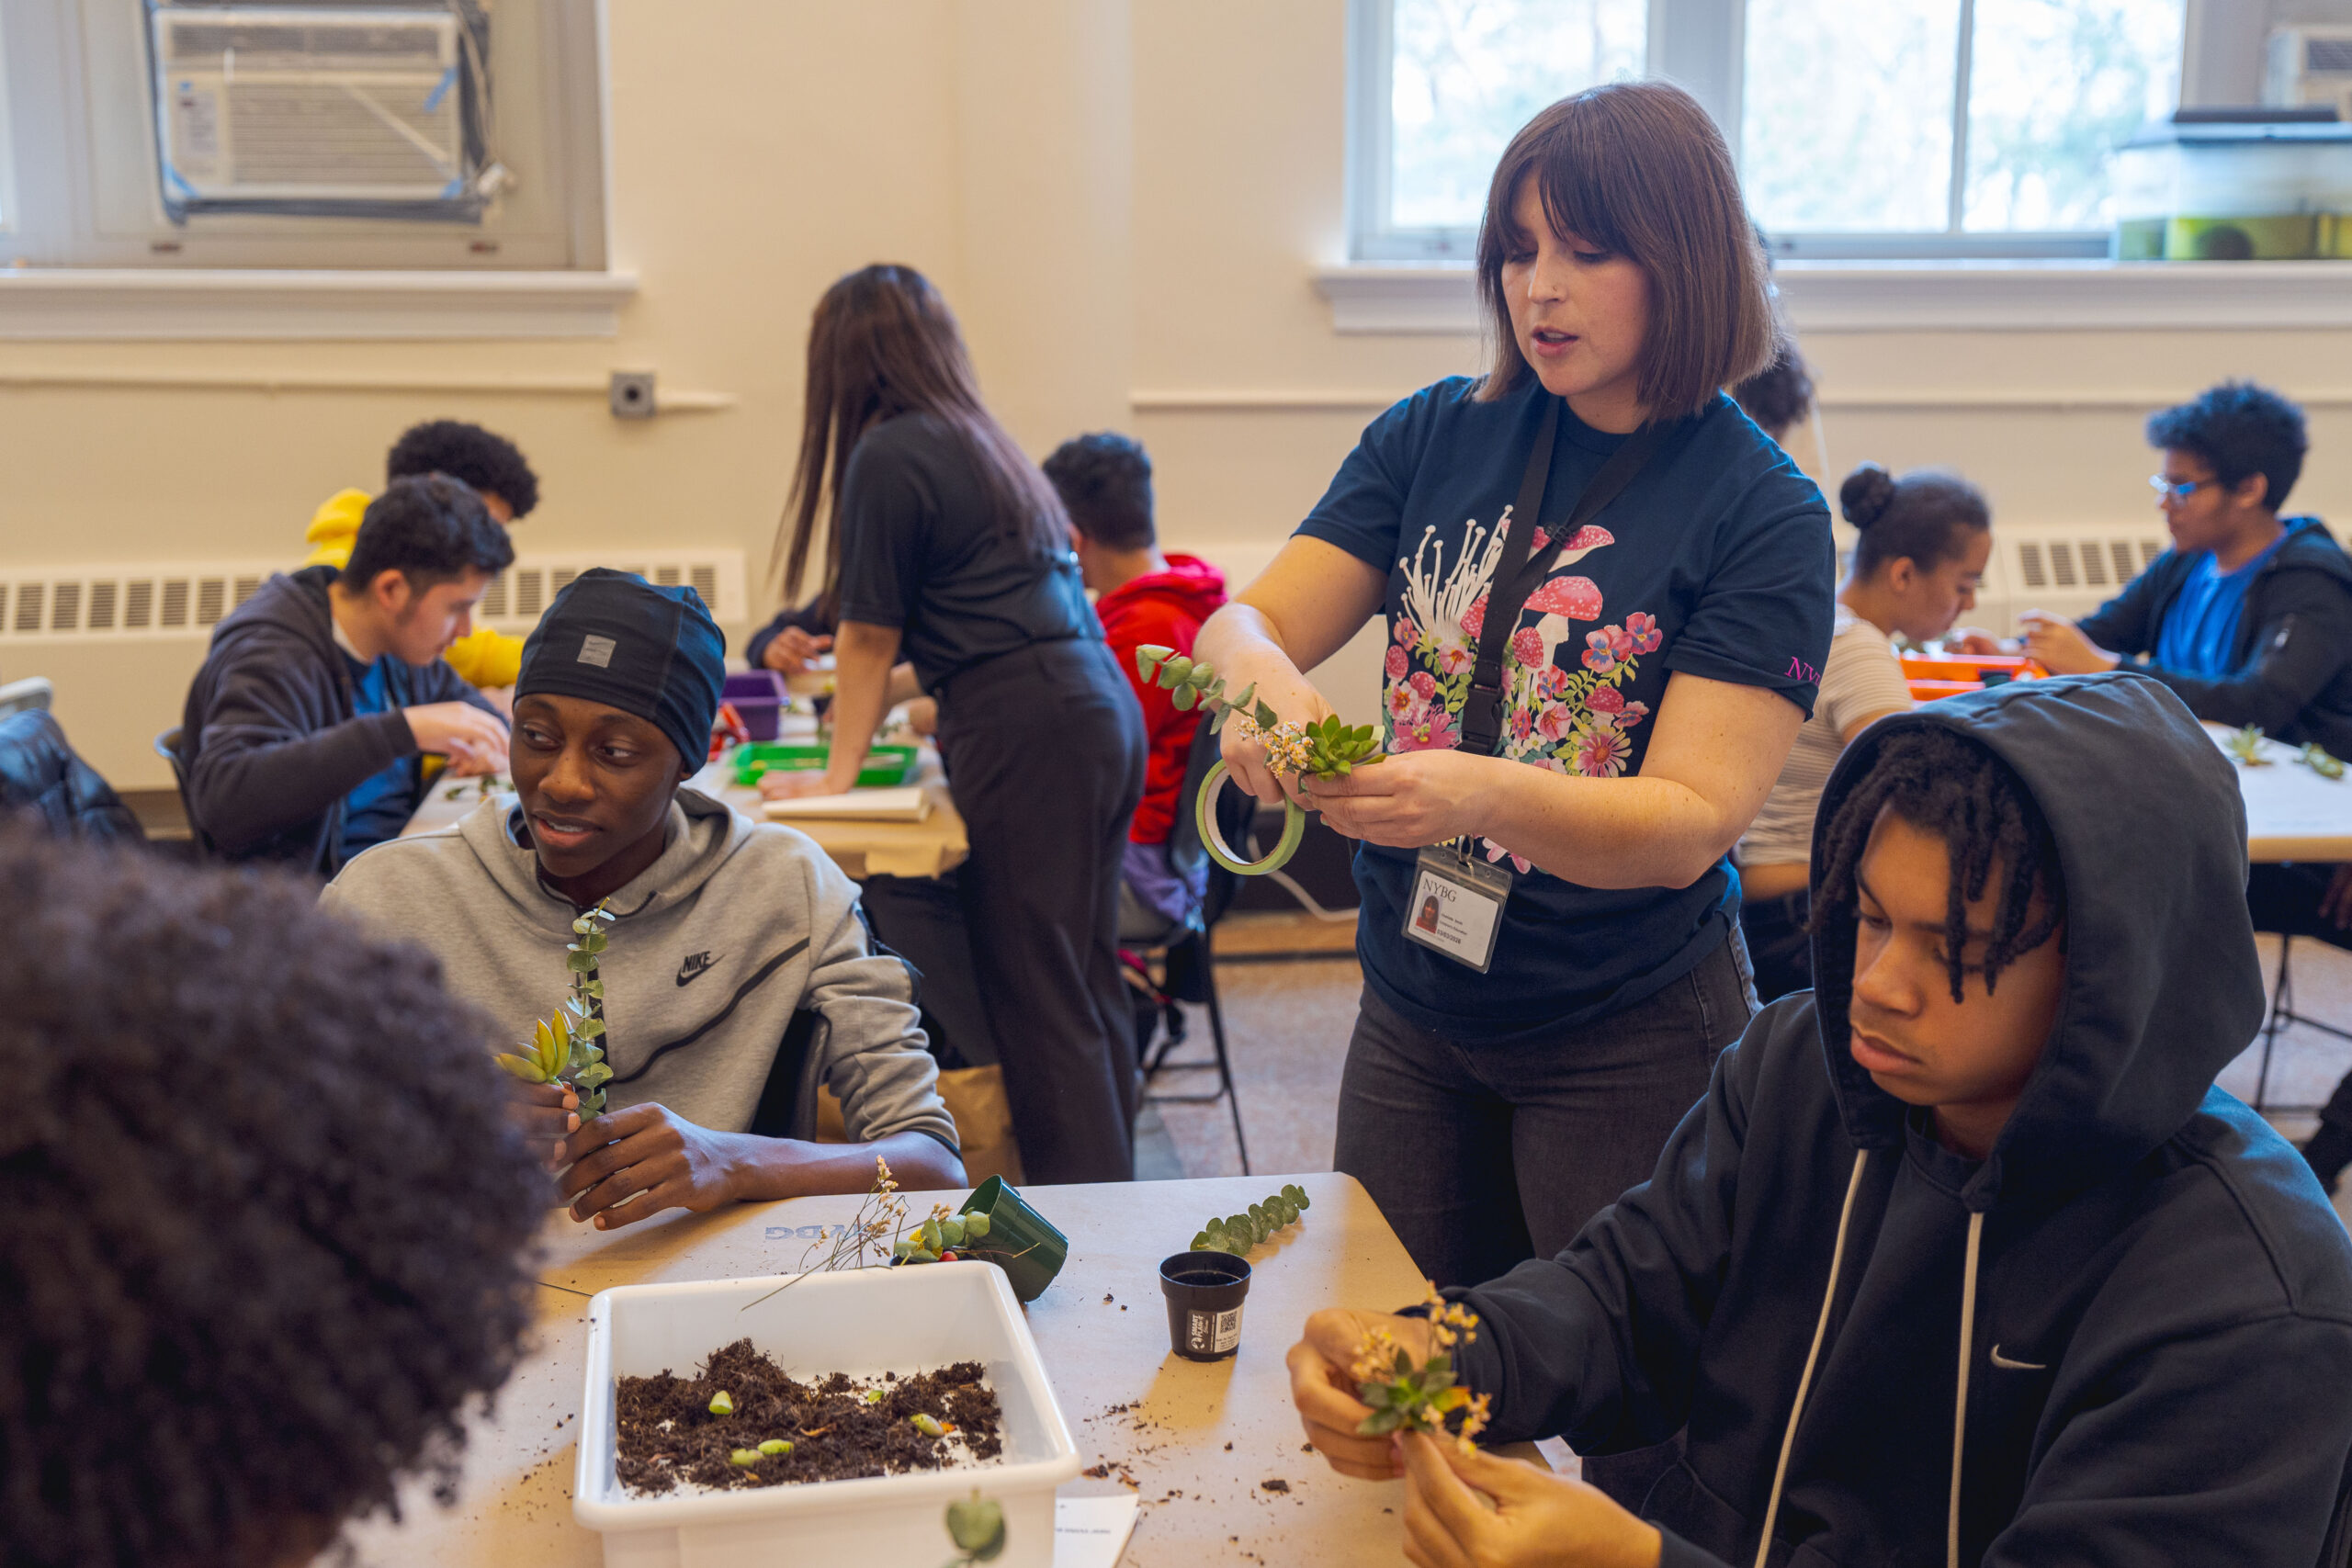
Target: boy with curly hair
{"x": 262, "y": 1216}
{"x": 485, "y": 462}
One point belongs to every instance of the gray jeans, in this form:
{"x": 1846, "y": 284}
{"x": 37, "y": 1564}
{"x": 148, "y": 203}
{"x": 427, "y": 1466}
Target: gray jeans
{"x": 1484, "y": 1157}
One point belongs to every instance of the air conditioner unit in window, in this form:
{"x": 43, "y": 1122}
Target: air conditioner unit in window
{"x": 2310, "y": 66}
{"x": 353, "y": 109}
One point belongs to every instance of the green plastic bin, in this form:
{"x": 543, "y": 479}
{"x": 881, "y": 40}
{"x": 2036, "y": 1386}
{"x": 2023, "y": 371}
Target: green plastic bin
{"x": 885, "y": 765}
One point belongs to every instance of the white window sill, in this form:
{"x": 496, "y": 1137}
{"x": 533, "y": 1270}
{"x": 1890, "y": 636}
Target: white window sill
{"x": 1952, "y": 296}
{"x": 191, "y": 303}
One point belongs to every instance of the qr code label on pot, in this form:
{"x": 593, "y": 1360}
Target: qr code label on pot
{"x": 1214, "y": 1332}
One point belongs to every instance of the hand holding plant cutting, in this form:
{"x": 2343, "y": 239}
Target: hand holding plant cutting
{"x": 1317, "y": 749}
{"x": 1408, "y": 1392}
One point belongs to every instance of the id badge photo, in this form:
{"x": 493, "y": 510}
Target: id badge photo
{"x": 1457, "y": 905}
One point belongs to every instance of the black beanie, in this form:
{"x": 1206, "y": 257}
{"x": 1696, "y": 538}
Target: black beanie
{"x": 614, "y": 639}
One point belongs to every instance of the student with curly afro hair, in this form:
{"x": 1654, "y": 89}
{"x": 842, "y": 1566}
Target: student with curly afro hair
{"x": 262, "y": 1216}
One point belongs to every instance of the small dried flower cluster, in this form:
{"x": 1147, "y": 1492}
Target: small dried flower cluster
{"x": 1423, "y": 1397}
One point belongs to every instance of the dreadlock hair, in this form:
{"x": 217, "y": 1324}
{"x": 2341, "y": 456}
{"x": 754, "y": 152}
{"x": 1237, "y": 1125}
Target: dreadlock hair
{"x": 1942, "y": 782}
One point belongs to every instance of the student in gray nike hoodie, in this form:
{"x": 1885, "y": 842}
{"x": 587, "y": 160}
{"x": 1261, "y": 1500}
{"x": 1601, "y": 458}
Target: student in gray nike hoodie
{"x": 725, "y": 933}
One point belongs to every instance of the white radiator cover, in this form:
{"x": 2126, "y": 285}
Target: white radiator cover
{"x": 124, "y": 641}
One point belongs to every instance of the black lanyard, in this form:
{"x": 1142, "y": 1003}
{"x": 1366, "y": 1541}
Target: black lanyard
{"x": 1520, "y": 571}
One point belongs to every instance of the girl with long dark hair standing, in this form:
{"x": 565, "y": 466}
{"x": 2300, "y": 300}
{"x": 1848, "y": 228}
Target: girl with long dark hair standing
{"x": 1607, "y": 601}
{"x": 944, "y": 546}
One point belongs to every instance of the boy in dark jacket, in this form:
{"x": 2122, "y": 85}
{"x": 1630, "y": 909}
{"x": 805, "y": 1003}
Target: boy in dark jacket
{"x": 1144, "y": 597}
{"x": 302, "y": 732}
{"x": 2248, "y": 617}
{"x": 1962, "y": 1258}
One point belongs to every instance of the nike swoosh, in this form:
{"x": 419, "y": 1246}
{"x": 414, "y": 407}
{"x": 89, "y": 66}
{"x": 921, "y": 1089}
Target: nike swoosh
{"x": 2007, "y": 1365}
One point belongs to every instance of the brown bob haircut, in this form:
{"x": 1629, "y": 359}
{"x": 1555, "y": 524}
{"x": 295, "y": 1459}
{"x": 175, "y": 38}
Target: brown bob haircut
{"x": 1638, "y": 169}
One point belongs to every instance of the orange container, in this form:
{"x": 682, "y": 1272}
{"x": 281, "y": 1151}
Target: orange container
{"x": 1928, "y": 691}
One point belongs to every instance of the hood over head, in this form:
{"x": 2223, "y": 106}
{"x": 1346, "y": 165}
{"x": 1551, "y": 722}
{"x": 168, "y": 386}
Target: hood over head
{"x": 2161, "y": 989}
{"x": 1189, "y": 583}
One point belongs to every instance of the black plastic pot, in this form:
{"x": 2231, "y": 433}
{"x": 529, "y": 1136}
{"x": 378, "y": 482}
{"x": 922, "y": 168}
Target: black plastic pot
{"x": 1021, "y": 1241}
{"x": 1204, "y": 1292}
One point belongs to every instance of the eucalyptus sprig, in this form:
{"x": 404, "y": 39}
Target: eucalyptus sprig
{"x": 565, "y": 1049}
{"x": 1323, "y": 749}
{"x": 1236, "y": 1234}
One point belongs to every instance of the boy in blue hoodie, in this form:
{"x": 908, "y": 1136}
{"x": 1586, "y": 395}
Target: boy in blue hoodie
{"x": 1962, "y": 1258}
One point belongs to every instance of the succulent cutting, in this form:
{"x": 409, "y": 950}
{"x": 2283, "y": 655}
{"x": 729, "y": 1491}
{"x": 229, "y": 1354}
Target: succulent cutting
{"x": 1322, "y": 748}
{"x": 1413, "y": 1395}
{"x": 566, "y": 1049}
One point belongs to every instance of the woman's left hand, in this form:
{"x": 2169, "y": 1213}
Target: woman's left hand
{"x": 1408, "y": 799}
{"x": 1538, "y": 1519}
{"x": 650, "y": 1155}
{"x": 797, "y": 785}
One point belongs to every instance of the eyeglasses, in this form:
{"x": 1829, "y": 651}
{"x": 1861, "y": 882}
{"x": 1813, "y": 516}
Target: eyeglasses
{"x": 2166, "y": 490}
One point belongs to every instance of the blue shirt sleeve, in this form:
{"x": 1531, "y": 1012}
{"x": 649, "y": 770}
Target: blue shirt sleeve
{"x": 1768, "y": 610}
{"x": 1363, "y": 510}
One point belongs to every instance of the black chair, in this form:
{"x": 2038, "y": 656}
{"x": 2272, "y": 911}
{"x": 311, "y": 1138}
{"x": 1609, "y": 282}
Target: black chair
{"x": 1187, "y": 959}
{"x": 41, "y": 775}
{"x": 167, "y": 746}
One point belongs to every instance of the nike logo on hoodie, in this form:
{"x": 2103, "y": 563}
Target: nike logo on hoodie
{"x": 695, "y": 965}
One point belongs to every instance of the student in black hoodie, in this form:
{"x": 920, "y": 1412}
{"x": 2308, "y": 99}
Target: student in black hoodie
{"x": 302, "y": 734}
{"x": 1962, "y": 1258}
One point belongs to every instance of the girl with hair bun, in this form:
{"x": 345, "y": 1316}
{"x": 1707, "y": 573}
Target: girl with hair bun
{"x": 1924, "y": 541}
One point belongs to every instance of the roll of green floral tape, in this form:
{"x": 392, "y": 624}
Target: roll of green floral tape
{"x": 1204, "y": 817}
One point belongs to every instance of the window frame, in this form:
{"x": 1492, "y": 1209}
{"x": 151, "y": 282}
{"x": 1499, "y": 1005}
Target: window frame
{"x": 1701, "y": 45}
{"x": 56, "y": 172}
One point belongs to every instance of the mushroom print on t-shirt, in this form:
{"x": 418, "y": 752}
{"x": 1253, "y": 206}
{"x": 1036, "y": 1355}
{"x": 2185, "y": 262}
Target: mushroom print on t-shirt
{"x": 1565, "y": 705}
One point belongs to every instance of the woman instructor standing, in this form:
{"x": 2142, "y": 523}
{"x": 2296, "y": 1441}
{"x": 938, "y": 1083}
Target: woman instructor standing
{"x": 1608, "y": 598}
{"x": 946, "y": 546}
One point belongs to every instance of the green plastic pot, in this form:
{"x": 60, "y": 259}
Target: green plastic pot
{"x": 1021, "y": 1241}
{"x": 1204, "y": 818}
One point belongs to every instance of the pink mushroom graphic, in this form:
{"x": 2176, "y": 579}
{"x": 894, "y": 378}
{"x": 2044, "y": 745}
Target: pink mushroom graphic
{"x": 1586, "y": 540}
{"x": 1562, "y": 600}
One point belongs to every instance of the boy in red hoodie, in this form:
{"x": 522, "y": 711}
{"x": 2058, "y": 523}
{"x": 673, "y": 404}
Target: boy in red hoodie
{"x": 1144, "y": 596}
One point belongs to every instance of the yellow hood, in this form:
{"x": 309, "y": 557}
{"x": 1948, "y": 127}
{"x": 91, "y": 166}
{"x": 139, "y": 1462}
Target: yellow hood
{"x": 332, "y": 528}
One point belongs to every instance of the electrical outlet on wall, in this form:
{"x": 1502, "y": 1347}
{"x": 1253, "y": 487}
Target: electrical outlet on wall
{"x": 632, "y": 394}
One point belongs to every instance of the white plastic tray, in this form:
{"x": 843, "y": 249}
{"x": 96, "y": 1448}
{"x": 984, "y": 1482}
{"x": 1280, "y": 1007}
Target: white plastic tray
{"x": 863, "y": 1322}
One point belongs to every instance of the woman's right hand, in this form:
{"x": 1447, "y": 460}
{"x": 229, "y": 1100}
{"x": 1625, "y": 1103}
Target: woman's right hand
{"x": 1294, "y": 698}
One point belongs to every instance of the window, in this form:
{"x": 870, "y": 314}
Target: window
{"x": 330, "y": 157}
{"x": 1863, "y": 128}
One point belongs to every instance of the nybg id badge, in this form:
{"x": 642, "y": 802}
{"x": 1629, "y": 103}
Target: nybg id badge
{"x": 1457, "y": 905}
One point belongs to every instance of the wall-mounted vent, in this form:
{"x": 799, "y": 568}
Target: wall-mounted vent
{"x": 2029, "y": 568}
{"x": 186, "y": 601}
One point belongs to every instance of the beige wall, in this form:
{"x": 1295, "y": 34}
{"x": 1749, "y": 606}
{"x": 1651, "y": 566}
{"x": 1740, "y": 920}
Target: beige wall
{"x": 1121, "y": 196}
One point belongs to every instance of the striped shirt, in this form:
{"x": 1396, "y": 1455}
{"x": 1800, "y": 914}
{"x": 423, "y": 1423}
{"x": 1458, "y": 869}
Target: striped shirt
{"x": 1862, "y": 677}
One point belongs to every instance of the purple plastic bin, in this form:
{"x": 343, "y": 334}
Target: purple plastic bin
{"x": 759, "y": 696}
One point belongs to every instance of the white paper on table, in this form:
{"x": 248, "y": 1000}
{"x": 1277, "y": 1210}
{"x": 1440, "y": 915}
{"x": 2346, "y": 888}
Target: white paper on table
{"x": 903, "y": 803}
{"x": 1092, "y": 1532}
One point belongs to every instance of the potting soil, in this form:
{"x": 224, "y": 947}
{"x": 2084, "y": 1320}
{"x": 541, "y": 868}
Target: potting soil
{"x": 668, "y": 1435}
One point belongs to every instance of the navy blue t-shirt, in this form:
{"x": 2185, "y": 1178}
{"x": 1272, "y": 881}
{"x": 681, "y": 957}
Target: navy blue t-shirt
{"x": 1718, "y": 562}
